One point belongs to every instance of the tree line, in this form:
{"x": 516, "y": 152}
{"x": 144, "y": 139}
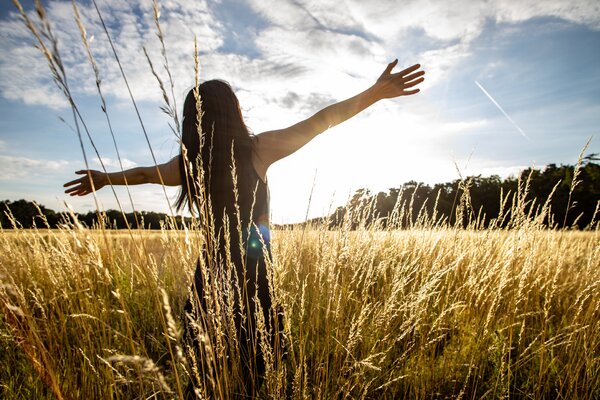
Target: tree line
{"x": 565, "y": 195}
{"x": 27, "y": 214}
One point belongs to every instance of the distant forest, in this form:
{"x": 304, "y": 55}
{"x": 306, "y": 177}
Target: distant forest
{"x": 489, "y": 201}
{"x": 571, "y": 205}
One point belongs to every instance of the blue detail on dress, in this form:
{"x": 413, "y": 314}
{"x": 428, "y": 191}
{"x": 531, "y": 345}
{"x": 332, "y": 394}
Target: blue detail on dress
{"x": 257, "y": 241}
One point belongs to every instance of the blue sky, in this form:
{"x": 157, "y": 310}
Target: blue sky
{"x": 540, "y": 61}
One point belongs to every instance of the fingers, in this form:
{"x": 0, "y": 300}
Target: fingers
{"x": 80, "y": 186}
{"x": 72, "y": 182}
{"x": 390, "y": 67}
{"x": 409, "y": 92}
{"x": 410, "y": 77}
{"x": 409, "y": 70}
{"x": 413, "y": 83}
{"x": 78, "y": 191}
{"x": 397, "y": 84}
{"x": 73, "y": 189}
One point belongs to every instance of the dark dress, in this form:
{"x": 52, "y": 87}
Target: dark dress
{"x": 251, "y": 267}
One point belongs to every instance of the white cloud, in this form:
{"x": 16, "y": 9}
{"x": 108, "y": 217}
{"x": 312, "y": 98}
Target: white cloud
{"x": 440, "y": 62}
{"x": 357, "y": 37}
{"x": 441, "y": 20}
{"x": 18, "y": 168}
{"x": 25, "y": 76}
{"x": 486, "y": 167}
{"x": 321, "y": 51}
{"x": 463, "y": 19}
{"x": 285, "y": 13}
{"x": 459, "y": 127}
{"x": 114, "y": 163}
{"x": 582, "y": 11}
{"x": 312, "y": 41}
{"x": 145, "y": 198}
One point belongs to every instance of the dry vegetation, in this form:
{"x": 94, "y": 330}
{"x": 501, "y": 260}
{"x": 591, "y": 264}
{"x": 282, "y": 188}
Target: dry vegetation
{"x": 430, "y": 312}
{"x": 434, "y": 311}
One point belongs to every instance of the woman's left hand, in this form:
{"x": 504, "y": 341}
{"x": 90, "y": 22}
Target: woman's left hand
{"x": 83, "y": 185}
{"x": 391, "y": 85}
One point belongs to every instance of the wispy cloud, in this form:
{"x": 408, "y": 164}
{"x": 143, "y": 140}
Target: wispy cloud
{"x": 485, "y": 167}
{"x": 299, "y": 38}
{"x": 13, "y": 167}
{"x": 114, "y": 163}
{"x": 461, "y": 127}
{"x": 311, "y": 102}
{"x": 24, "y": 75}
{"x": 385, "y": 29}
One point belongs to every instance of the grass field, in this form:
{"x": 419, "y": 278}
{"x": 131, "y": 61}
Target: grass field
{"x": 420, "y": 313}
{"x": 430, "y": 312}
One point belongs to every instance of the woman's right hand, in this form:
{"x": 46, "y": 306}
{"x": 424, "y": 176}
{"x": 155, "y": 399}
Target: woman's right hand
{"x": 390, "y": 85}
{"x": 83, "y": 186}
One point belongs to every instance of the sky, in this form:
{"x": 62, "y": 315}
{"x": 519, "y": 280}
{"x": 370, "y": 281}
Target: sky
{"x": 509, "y": 85}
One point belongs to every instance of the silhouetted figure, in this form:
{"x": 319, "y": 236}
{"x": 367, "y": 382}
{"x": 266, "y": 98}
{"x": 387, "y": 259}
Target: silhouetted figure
{"x": 233, "y": 205}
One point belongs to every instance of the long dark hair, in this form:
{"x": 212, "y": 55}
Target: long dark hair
{"x": 206, "y": 160}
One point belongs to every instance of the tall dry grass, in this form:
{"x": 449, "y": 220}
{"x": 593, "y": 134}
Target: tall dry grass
{"x": 434, "y": 311}
{"x": 428, "y": 312}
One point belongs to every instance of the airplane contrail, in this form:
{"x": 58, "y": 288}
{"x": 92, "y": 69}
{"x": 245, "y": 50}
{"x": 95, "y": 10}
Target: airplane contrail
{"x": 502, "y": 110}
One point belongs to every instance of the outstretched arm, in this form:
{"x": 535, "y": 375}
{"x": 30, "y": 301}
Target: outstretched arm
{"x": 169, "y": 172}
{"x": 274, "y": 145}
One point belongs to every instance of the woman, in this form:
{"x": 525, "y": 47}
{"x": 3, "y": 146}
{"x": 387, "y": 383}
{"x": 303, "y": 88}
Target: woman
{"x": 222, "y": 171}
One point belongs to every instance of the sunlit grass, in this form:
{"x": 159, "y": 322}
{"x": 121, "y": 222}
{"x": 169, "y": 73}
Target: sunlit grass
{"x": 433, "y": 311}
{"x": 421, "y": 313}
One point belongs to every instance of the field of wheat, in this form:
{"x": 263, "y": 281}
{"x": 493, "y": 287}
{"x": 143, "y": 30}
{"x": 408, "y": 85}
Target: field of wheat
{"x": 428, "y": 312}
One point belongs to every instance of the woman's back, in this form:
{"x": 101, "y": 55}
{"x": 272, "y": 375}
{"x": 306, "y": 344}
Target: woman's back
{"x": 230, "y": 310}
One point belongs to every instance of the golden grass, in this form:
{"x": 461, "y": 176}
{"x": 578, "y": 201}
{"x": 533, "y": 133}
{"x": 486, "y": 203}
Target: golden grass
{"x": 429, "y": 312}
{"x": 422, "y": 313}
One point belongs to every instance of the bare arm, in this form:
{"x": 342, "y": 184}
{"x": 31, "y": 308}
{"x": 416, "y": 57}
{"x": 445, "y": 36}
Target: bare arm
{"x": 274, "y": 145}
{"x": 169, "y": 172}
